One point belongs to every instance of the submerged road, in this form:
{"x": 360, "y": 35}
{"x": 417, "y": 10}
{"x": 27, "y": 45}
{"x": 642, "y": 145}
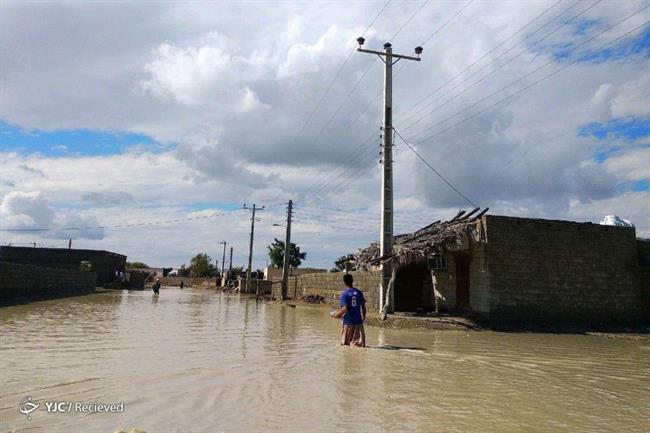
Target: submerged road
{"x": 202, "y": 361}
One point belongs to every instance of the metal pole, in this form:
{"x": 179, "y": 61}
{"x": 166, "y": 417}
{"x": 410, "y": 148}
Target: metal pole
{"x": 386, "y": 230}
{"x": 287, "y": 249}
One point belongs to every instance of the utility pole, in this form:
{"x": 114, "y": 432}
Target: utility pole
{"x": 230, "y": 264}
{"x": 250, "y": 247}
{"x": 70, "y": 243}
{"x": 287, "y": 249}
{"x": 386, "y": 229}
{"x": 223, "y": 258}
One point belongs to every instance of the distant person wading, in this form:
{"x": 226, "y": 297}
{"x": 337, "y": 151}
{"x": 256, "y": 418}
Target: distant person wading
{"x": 353, "y": 312}
{"x": 156, "y": 287}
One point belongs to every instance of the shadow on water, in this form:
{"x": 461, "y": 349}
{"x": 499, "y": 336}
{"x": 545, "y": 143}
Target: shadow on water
{"x": 391, "y": 347}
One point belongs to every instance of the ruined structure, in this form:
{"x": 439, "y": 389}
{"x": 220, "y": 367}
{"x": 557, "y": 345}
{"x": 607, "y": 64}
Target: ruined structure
{"x": 519, "y": 270}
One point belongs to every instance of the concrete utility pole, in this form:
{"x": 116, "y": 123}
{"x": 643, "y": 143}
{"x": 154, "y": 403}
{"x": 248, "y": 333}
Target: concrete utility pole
{"x": 230, "y": 264}
{"x": 287, "y": 249}
{"x": 223, "y": 258}
{"x": 250, "y": 247}
{"x": 386, "y": 229}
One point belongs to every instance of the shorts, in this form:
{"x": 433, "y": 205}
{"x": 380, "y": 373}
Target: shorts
{"x": 353, "y": 335}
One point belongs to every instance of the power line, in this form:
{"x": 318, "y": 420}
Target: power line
{"x": 518, "y": 92}
{"x": 409, "y": 20}
{"x": 537, "y": 69}
{"x": 501, "y": 66}
{"x": 148, "y": 223}
{"x": 434, "y": 170}
{"x": 544, "y": 12}
{"x": 319, "y": 186}
{"x": 446, "y": 22}
{"x": 336, "y": 76}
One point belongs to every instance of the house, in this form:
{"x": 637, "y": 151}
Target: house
{"x": 513, "y": 270}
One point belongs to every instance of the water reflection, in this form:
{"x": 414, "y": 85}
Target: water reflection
{"x": 200, "y": 361}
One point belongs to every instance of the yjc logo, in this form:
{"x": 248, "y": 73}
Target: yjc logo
{"x": 27, "y": 406}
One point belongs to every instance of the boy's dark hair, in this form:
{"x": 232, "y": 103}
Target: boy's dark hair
{"x": 347, "y": 279}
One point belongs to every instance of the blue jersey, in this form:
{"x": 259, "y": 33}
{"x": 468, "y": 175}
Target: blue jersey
{"x": 352, "y": 299}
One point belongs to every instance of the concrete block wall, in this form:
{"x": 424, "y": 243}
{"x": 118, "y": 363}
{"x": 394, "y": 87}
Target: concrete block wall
{"x": 330, "y": 285}
{"x": 188, "y": 281}
{"x": 275, "y": 274}
{"x": 105, "y": 263}
{"x": 564, "y": 272}
{"x": 20, "y": 282}
{"x": 479, "y": 279}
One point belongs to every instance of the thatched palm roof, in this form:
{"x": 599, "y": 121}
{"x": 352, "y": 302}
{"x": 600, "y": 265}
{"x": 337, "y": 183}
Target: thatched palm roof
{"x": 421, "y": 244}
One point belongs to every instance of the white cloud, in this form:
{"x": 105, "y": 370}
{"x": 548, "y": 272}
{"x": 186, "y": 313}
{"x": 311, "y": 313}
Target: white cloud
{"x": 631, "y": 165}
{"x": 31, "y": 211}
{"x": 231, "y": 85}
{"x": 249, "y": 102}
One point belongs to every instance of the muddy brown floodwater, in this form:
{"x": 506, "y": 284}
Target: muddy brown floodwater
{"x": 203, "y": 361}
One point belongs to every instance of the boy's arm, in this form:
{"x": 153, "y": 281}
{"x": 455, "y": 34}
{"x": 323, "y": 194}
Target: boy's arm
{"x": 363, "y": 312}
{"x": 341, "y": 312}
{"x": 344, "y": 307}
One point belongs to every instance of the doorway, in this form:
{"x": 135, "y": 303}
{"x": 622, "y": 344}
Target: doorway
{"x": 462, "y": 280}
{"x": 409, "y": 285}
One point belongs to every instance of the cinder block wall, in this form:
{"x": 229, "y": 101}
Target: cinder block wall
{"x": 564, "y": 272}
{"x": 187, "y": 281}
{"x": 105, "y": 263}
{"x": 27, "y": 282}
{"x": 330, "y": 286}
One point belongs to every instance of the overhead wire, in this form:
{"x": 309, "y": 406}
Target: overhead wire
{"x": 508, "y": 97}
{"x": 133, "y": 224}
{"x": 364, "y": 146}
{"x": 498, "y": 68}
{"x": 340, "y": 171}
{"x": 445, "y": 180}
{"x": 336, "y": 76}
{"x": 539, "y": 68}
{"x": 484, "y": 55}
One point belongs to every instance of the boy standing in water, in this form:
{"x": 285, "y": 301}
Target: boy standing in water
{"x": 353, "y": 312}
{"x": 156, "y": 286}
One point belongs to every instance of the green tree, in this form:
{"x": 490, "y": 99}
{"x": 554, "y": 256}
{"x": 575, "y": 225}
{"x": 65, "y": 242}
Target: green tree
{"x": 236, "y": 271}
{"x": 339, "y": 264}
{"x": 136, "y": 265}
{"x": 201, "y": 265}
{"x": 276, "y": 254}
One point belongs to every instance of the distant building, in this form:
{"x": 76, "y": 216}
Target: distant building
{"x": 108, "y": 266}
{"x": 275, "y": 274}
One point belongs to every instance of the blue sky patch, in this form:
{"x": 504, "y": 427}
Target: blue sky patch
{"x": 68, "y": 142}
{"x": 628, "y": 128}
{"x": 641, "y": 185}
{"x": 582, "y": 27}
{"x": 637, "y": 45}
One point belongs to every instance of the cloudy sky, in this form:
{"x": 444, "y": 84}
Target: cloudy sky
{"x": 150, "y": 124}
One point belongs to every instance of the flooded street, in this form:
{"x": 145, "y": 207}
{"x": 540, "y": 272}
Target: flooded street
{"x": 203, "y": 361}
